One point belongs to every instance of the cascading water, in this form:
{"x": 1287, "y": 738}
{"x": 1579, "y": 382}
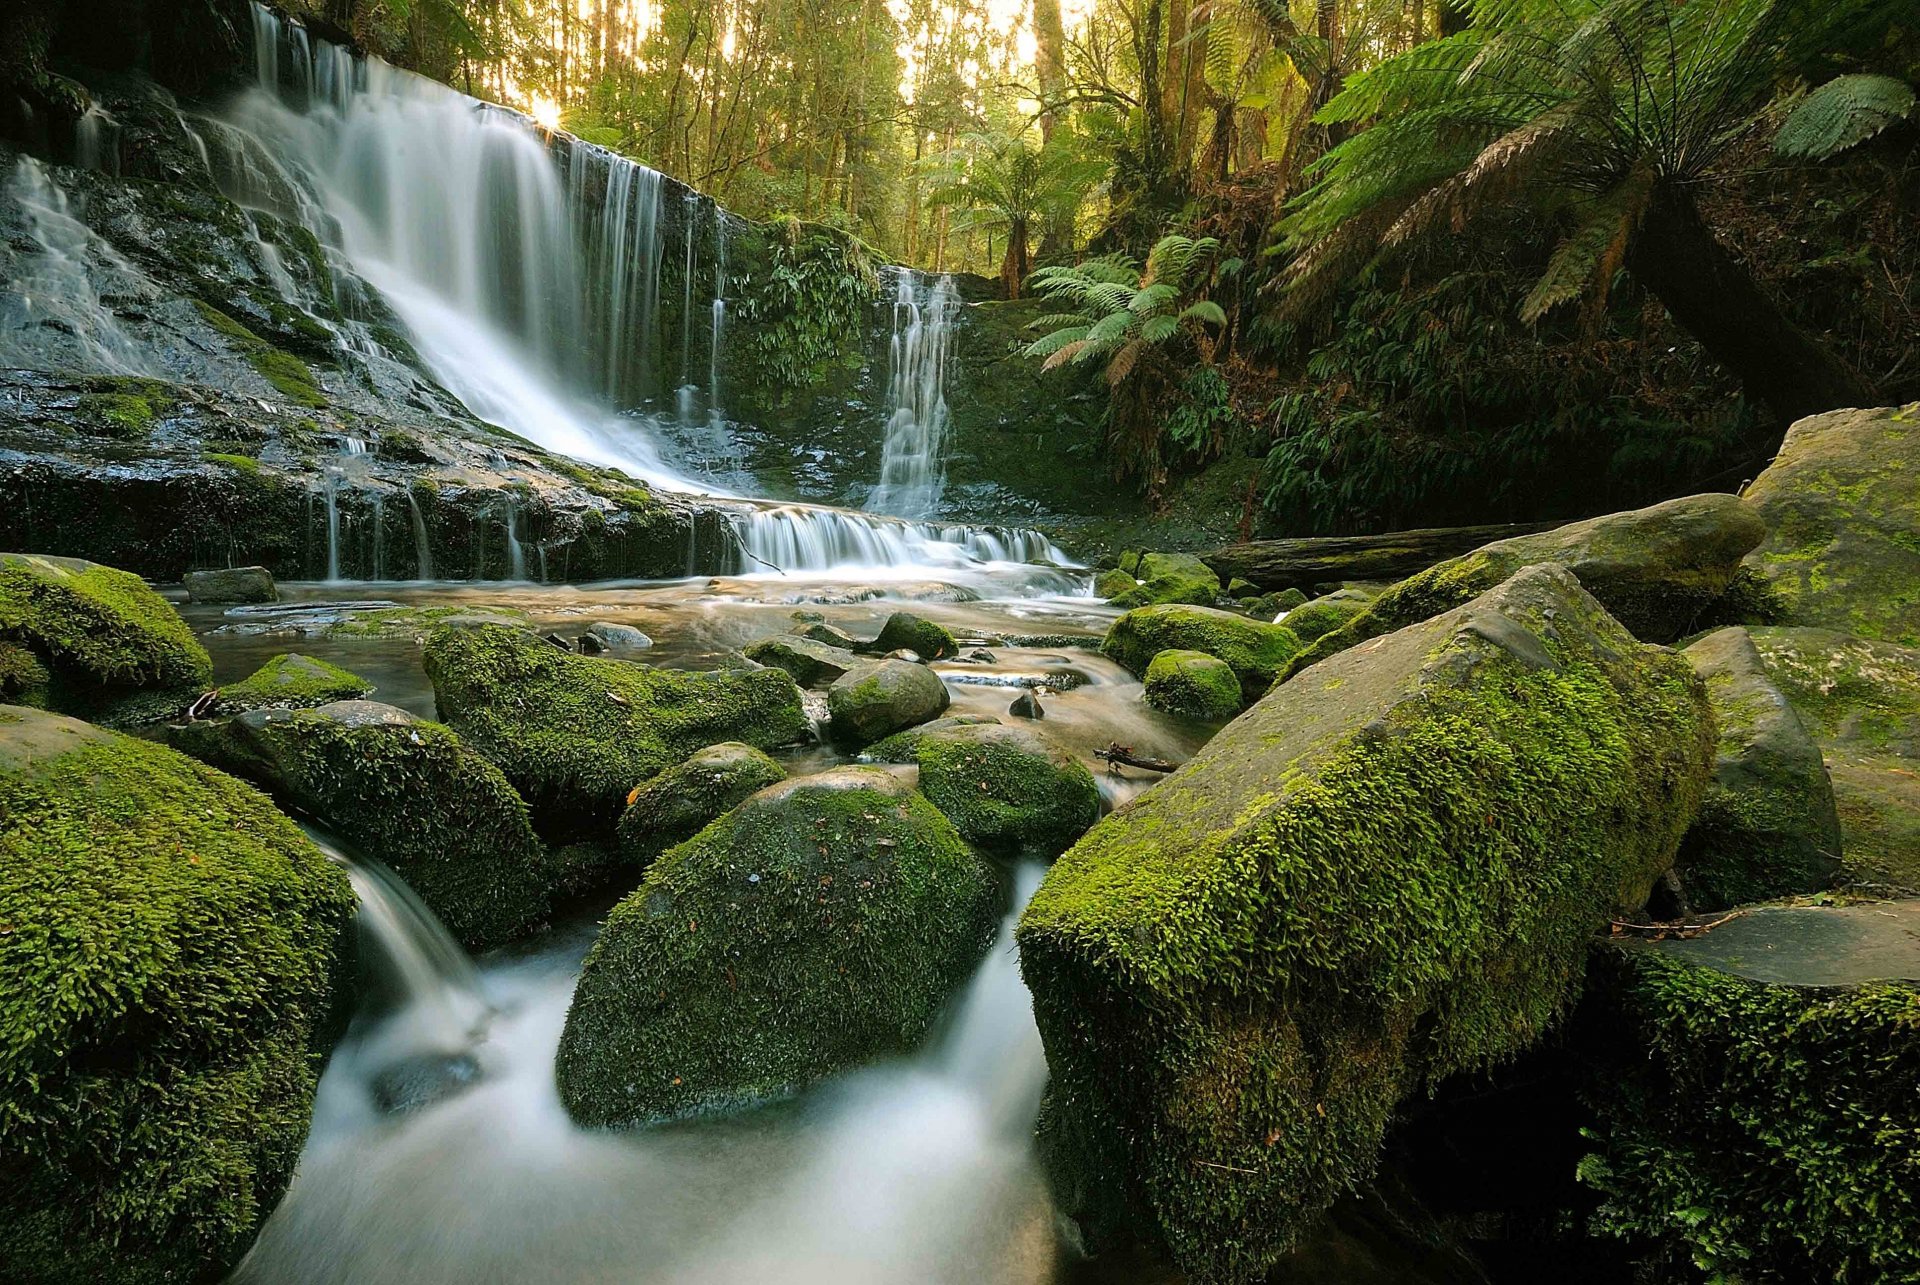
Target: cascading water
{"x": 912, "y": 470}
{"x": 53, "y": 300}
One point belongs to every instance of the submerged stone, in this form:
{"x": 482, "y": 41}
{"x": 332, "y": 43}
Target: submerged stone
{"x": 405, "y": 792}
{"x": 168, "y": 966}
{"x": 1842, "y": 505}
{"x": 1381, "y": 874}
{"x": 110, "y": 647}
{"x": 1655, "y": 569}
{"x": 232, "y": 585}
{"x": 879, "y": 698}
{"x": 822, "y": 923}
{"x": 1255, "y": 651}
{"x": 1753, "y": 1093}
{"x": 1767, "y": 826}
{"x": 682, "y": 800}
{"x": 292, "y": 681}
{"x": 575, "y": 734}
{"x": 1008, "y": 789}
{"x": 1192, "y": 684}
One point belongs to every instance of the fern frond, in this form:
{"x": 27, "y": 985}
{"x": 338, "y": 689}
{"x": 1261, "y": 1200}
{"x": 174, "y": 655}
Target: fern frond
{"x": 1065, "y": 354}
{"x": 1205, "y": 310}
{"x": 1111, "y": 329}
{"x": 1843, "y": 113}
{"x": 1587, "y": 260}
{"x": 1049, "y": 344}
{"x": 1152, "y": 298}
{"x": 1124, "y": 361}
{"x": 1157, "y": 330}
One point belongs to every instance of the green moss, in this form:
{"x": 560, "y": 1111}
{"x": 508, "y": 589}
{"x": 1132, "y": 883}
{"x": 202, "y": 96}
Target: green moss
{"x": 1375, "y": 878}
{"x": 419, "y": 622}
{"x": 1323, "y": 615}
{"x": 283, "y": 370}
{"x": 575, "y": 734}
{"x": 292, "y": 681}
{"x": 878, "y": 699}
{"x": 682, "y": 800}
{"x": 405, "y": 792}
{"x": 923, "y": 637}
{"x": 170, "y": 946}
{"x": 1008, "y": 789}
{"x": 1112, "y": 583}
{"x": 904, "y": 747}
{"x": 245, "y": 464}
{"x": 1193, "y": 684}
{"x": 23, "y": 679}
{"x": 820, "y": 924}
{"x": 103, "y": 635}
{"x": 120, "y": 415}
{"x": 1256, "y": 651}
{"x": 1762, "y": 1133}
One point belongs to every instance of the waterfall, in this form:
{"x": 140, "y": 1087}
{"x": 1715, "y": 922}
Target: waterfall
{"x": 714, "y": 414}
{"x": 912, "y": 471}
{"x": 54, "y": 297}
{"x": 422, "y": 547}
{"x": 516, "y": 552}
{"x": 96, "y": 141}
{"x": 791, "y": 537}
{"x": 379, "y": 535}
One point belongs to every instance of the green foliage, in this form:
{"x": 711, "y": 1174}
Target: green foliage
{"x": 1008, "y": 789}
{"x": 1121, "y": 314}
{"x": 1843, "y": 113}
{"x": 1765, "y": 1133}
{"x": 292, "y": 681}
{"x": 1003, "y": 183}
{"x": 171, "y": 950}
{"x": 797, "y": 314}
{"x": 820, "y": 924}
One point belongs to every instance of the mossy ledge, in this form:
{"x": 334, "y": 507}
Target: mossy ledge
{"x": 1376, "y": 877}
{"x": 172, "y": 953}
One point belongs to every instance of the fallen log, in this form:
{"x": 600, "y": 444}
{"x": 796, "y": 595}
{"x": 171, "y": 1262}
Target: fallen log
{"x": 1118, "y": 756}
{"x": 1304, "y": 562}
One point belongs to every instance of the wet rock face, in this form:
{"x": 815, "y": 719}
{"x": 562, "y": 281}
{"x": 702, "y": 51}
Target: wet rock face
{"x": 1842, "y": 502}
{"x": 403, "y": 791}
{"x": 822, "y": 923}
{"x": 94, "y": 640}
{"x": 232, "y": 585}
{"x": 879, "y": 698}
{"x": 1385, "y": 871}
{"x": 1767, "y": 827}
{"x": 905, "y": 631}
{"x": 575, "y": 734}
{"x": 812, "y": 664}
{"x": 165, "y": 992}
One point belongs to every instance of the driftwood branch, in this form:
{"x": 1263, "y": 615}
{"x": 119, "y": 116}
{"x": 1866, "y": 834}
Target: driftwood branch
{"x": 1118, "y": 756}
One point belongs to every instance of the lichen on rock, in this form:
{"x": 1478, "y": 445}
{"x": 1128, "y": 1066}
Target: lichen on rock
{"x": 1008, "y": 789}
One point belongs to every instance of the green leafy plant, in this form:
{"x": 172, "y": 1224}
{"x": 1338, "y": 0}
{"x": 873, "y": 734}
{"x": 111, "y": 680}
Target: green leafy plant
{"x": 1608, "y": 114}
{"x": 1004, "y": 184}
{"x": 1843, "y": 113}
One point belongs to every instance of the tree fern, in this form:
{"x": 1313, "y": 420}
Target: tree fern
{"x": 1843, "y": 113}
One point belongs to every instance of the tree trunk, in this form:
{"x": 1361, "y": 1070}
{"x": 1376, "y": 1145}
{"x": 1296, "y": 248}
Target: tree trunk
{"x": 1013, "y": 268}
{"x": 1713, "y": 296}
{"x": 1050, "y": 61}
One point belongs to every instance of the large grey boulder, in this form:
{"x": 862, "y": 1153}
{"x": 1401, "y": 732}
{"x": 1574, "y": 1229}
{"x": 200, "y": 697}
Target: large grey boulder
{"x": 1842, "y": 506}
{"x": 1767, "y": 827}
{"x": 232, "y": 585}
{"x": 1386, "y": 871}
{"x": 811, "y": 663}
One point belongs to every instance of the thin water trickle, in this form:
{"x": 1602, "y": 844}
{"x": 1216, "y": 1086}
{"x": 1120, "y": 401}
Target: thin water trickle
{"x": 422, "y": 546}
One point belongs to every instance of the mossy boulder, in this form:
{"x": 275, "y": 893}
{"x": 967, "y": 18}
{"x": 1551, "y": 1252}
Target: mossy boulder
{"x": 1753, "y": 1094}
{"x": 1256, "y": 651}
{"x": 1861, "y": 700}
{"x": 812, "y": 664}
{"x": 684, "y": 799}
{"x": 232, "y": 585}
{"x": 111, "y": 647}
{"x": 1192, "y": 684}
{"x": 292, "y": 681}
{"x": 904, "y": 747}
{"x": 1767, "y": 826}
{"x": 883, "y": 697}
{"x": 575, "y": 734}
{"x": 168, "y": 971}
{"x": 1842, "y": 506}
{"x": 1656, "y": 569}
{"x": 820, "y": 924}
{"x": 1008, "y": 789}
{"x": 1170, "y": 577}
{"x": 1113, "y": 582}
{"x": 24, "y": 679}
{"x": 1326, "y": 613}
{"x": 403, "y": 791}
{"x": 1378, "y": 876}
{"x": 906, "y": 631}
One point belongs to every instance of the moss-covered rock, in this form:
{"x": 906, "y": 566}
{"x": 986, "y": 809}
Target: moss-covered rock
{"x": 923, "y": 637}
{"x": 684, "y": 799}
{"x": 883, "y": 697}
{"x": 1008, "y": 789}
{"x": 1761, "y": 1123}
{"x": 575, "y": 734}
{"x": 1657, "y": 570}
{"x": 1378, "y": 876}
{"x": 812, "y": 664}
{"x": 403, "y": 791}
{"x": 1256, "y": 651}
{"x": 1842, "y": 506}
{"x": 1112, "y": 582}
{"x": 106, "y": 640}
{"x": 292, "y": 681}
{"x": 232, "y": 585}
{"x": 1170, "y": 577}
{"x": 24, "y": 680}
{"x": 1767, "y": 826}
{"x": 1193, "y": 684}
{"x": 1326, "y": 613}
{"x": 1861, "y": 701}
{"x": 821, "y": 923}
{"x": 170, "y": 949}
{"x": 904, "y": 747}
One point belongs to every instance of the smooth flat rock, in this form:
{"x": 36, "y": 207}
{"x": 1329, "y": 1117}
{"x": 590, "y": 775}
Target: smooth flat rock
{"x": 1809, "y": 945}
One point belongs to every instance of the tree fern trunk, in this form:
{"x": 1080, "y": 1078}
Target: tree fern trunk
{"x": 1716, "y": 299}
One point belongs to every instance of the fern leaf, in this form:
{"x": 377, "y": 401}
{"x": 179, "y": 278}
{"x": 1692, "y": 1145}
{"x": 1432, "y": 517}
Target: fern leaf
{"x": 1205, "y": 310}
{"x": 1843, "y": 113}
{"x": 1157, "y": 330}
{"x": 1587, "y": 260}
{"x": 1049, "y": 344}
{"x": 1124, "y": 361}
{"x": 1065, "y": 354}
